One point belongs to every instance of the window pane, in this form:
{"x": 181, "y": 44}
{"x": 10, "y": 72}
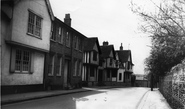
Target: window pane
{"x": 26, "y": 60}
{"x": 34, "y": 24}
{"x": 18, "y": 60}
{"x": 31, "y": 23}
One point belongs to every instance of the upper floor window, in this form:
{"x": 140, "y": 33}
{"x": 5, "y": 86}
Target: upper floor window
{"x": 111, "y": 62}
{"x": 75, "y": 42}
{"x": 94, "y": 56}
{"x": 34, "y": 24}
{"x": 60, "y": 35}
{"x": 68, "y": 38}
{"x": 79, "y": 44}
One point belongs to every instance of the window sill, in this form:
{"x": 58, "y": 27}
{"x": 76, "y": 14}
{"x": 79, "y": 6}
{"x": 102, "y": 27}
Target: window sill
{"x": 58, "y": 74}
{"x": 60, "y": 43}
{"x": 53, "y": 40}
{"x": 50, "y": 74}
{"x": 34, "y": 36}
{"x": 17, "y": 72}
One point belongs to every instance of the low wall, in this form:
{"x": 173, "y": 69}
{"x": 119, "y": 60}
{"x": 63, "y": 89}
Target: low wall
{"x": 172, "y": 86}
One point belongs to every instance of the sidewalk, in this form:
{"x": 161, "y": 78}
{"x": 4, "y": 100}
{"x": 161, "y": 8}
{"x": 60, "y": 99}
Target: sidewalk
{"x": 150, "y": 100}
{"x": 153, "y": 100}
{"x": 14, "y": 98}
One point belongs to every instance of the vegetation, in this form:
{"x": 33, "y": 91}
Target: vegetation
{"x": 166, "y": 27}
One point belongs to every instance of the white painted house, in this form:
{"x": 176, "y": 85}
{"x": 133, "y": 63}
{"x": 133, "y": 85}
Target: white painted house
{"x": 26, "y": 26}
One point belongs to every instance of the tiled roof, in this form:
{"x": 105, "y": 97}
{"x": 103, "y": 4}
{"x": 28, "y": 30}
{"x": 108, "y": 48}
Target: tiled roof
{"x": 106, "y": 51}
{"x": 90, "y": 42}
{"x": 124, "y": 55}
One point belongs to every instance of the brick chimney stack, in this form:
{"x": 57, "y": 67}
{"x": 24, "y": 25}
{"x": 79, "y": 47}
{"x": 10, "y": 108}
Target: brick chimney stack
{"x": 121, "y": 47}
{"x": 67, "y": 19}
{"x": 105, "y": 43}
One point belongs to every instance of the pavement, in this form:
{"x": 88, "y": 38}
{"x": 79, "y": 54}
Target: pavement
{"x": 15, "y": 98}
{"x": 150, "y": 100}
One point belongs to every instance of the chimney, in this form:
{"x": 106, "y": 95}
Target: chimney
{"x": 121, "y": 47}
{"x": 67, "y": 19}
{"x": 105, "y": 43}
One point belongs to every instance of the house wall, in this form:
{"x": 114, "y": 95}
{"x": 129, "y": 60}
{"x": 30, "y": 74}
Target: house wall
{"x": 122, "y": 74}
{"x": 20, "y": 23}
{"x": 91, "y": 58}
{"x": 113, "y": 63}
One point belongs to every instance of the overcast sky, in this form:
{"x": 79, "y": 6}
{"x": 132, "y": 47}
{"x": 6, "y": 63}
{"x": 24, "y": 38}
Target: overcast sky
{"x": 109, "y": 20}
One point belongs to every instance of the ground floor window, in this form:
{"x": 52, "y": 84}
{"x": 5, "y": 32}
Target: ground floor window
{"x": 120, "y": 76}
{"x": 59, "y": 66}
{"x": 92, "y": 72}
{"x": 51, "y": 65}
{"x": 21, "y": 60}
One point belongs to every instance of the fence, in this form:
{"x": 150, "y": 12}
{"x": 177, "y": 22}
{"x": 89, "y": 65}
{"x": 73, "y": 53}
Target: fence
{"x": 172, "y": 86}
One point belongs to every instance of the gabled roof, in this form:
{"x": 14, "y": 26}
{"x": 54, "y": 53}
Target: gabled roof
{"x": 68, "y": 27}
{"x": 124, "y": 55}
{"x": 106, "y": 50}
{"x": 49, "y": 9}
{"x": 90, "y": 42}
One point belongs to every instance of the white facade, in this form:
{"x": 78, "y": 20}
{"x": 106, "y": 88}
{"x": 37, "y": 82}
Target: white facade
{"x": 18, "y": 47}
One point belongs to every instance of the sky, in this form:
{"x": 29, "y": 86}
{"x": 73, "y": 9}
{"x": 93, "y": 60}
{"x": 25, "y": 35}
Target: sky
{"x": 109, "y": 20}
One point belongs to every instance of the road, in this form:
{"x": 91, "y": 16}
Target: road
{"x": 116, "y": 98}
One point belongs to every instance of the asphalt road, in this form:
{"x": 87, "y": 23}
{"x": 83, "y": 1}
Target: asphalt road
{"x": 116, "y": 98}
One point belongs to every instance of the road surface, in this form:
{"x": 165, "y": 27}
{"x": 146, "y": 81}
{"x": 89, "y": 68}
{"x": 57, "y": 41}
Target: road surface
{"x": 116, "y": 98}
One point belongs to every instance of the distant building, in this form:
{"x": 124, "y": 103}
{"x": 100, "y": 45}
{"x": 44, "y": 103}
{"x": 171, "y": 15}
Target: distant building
{"x": 91, "y": 57}
{"x": 139, "y": 77}
{"x": 64, "y": 61}
{"x": 107, "y": 68}
{"x": 25, "y": 33}
{"x": 125, "y": 65}
{"x": 141, "y": 80}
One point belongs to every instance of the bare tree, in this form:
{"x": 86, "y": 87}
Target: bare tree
{"x": 166, "y": 27}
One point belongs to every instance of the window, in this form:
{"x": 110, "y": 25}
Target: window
{"x": 60, "y": 35}
{"x": 79, "y": 44}
{"x": 22, "y": 61}
{"x": 59, "y": 67}
{"x": 111, "y": 62}
{"x": 68, "y": 38}
{"x": 94, "y": 56}
{"x": 51, "y": 66}
{"x": 52, "y": 35}
{"x": 34, "y": 24}
{"x": 91, "y": 72}
{"x": 75, "y": 67}
{"x": 79, "y": 68}
{"x": 120, "y": 76}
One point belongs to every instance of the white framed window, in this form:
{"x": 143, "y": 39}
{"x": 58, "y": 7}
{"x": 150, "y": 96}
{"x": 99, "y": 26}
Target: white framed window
{"x": 34, "y": 24}
{"x": 21, "y": 61}
{"x": 68, "y": 39}
{"x": 60, "y": 35}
